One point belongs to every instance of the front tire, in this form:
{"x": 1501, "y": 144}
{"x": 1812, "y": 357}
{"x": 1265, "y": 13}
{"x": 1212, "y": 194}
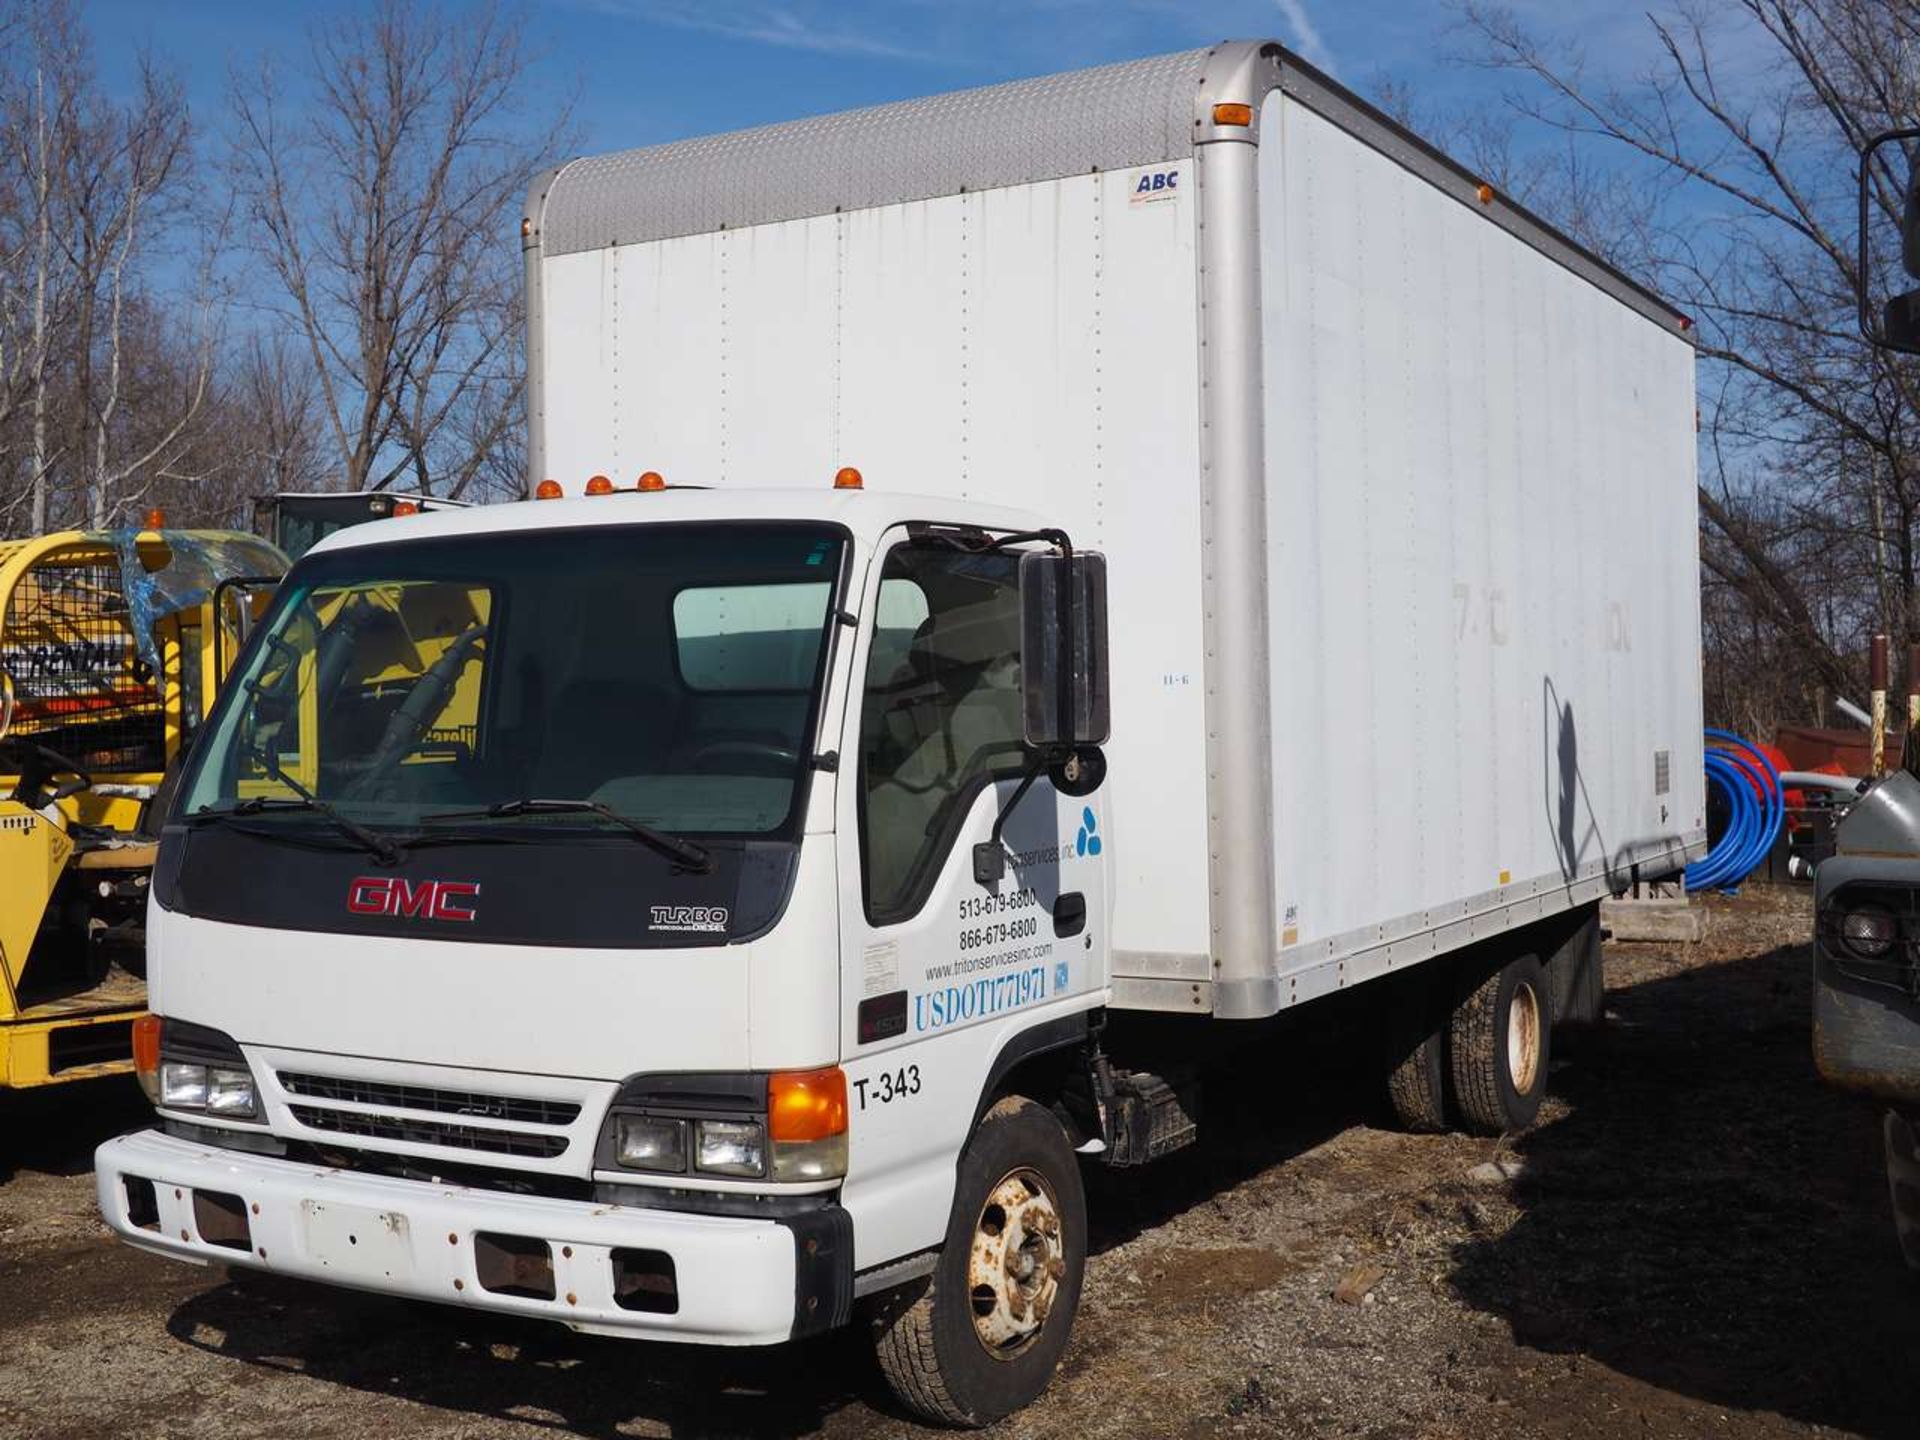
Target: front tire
{"x": 985, "y": 1336}
{"x": 1499, "y": 1048}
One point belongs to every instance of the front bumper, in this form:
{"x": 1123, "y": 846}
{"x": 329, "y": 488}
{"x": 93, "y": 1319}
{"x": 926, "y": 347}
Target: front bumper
{"x": 738, "y": 1280}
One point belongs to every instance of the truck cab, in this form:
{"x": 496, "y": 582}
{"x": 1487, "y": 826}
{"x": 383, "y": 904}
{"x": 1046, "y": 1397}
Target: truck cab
{"x": 652, "y": 898}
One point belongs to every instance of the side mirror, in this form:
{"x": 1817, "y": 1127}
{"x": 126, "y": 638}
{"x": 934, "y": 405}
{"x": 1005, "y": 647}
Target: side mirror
{"x": 1063, "y": 650}
{"x": 6, "y": 703}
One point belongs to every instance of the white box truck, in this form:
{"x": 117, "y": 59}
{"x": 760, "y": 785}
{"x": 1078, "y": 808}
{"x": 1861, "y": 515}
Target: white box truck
{"x": 711, "y": 906}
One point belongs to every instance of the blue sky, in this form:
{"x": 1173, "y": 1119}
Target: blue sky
{"x": 650, "y": 70}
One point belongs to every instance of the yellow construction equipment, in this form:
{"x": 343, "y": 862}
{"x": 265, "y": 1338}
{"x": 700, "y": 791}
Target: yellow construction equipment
{"x": 112, "y": 644}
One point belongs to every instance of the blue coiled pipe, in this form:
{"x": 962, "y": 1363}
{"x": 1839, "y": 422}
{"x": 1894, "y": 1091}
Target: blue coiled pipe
{"x": 1736, "y": 767}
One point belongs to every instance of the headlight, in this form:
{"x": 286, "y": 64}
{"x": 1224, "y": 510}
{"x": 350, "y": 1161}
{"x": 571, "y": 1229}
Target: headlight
{"x": 1868, "y": 933}
{"x": 183, "y": 1087}
{"x": 731, "y": 1147}
{"x": 230, "y": 1093}
{"x": 645, "y": 1142}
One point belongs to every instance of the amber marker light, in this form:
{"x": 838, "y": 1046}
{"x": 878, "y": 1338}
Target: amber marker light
{"x": 548, "y": 490}
{"x": 156, "y": 519}
{"x": 653, "y": 480}
{"x": 848, "y": 479}
{"x": 1232, "y": 113}
{"x": 146, "y": 1055}
{"x": 599, "y": 485}
{"x": 807, "y": 1104}
{"x": 404, "y": 507}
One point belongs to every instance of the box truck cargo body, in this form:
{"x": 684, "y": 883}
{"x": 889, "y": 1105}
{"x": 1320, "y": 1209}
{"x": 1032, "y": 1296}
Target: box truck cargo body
{"x": 1396, "y": 484}
{"x": 1035, "y": 580}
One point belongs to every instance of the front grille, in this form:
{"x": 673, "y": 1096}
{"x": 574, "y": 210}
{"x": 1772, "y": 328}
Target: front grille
{"x": 422, "y": 1097}
{"x": 431, "y": 1132}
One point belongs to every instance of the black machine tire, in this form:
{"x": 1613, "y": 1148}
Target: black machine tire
{"x": 1903, "y": 1184}
{"x": 1499, "y": 1046}
{"x": 936, "y": 1352}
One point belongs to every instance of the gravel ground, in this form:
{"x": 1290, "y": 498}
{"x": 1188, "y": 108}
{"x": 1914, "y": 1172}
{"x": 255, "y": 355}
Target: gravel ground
{"x": 1694, "y": 1241}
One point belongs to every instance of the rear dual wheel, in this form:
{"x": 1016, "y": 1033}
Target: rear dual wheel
{"x": 1498, "y": 1048}
{"x": 1484, "y": 1064}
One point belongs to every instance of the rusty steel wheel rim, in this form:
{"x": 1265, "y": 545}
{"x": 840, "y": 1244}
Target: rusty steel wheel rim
{"x": 1523, "y": 1038}
{"x": 1015, "y": 1265}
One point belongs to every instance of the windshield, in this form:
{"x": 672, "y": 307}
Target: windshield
{"x": 669, "y": 673}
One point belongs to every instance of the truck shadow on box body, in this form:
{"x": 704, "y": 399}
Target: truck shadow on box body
{"x": 1708, "y": 1218}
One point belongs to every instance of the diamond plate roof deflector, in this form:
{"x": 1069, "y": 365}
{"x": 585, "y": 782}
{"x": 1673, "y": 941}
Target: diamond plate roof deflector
{"x": 1106, "y": 118}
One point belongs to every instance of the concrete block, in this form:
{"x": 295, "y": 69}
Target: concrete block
{"x": 1665, "y": 919}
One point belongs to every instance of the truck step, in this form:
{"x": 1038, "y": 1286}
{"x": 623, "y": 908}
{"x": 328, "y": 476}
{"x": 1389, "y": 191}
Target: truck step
{"x": 1150, "y": 1115}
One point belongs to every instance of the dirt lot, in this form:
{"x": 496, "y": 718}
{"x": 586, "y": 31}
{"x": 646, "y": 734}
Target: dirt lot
{"x": 1694, "y": 1242}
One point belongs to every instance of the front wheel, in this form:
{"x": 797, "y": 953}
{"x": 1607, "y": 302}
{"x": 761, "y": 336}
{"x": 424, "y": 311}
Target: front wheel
{"x": 985, "y": 1336}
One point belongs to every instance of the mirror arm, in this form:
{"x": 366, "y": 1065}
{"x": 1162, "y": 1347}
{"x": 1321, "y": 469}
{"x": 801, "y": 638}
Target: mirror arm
{"x": 990, "y": 855}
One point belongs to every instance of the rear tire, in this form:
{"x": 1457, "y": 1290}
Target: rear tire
{"x": 1417, "y": 1052}
{"x": 1499, "y": 1046}
{"x": 986, "y": 1334}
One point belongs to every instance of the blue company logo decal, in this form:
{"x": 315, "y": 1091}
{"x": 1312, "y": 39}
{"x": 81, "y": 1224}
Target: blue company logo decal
{"x": 1151, "y": 186}
{"x": 978, "y": 999}
{"x": 1059, "y": 976}
{"x": 1087, "y": 842}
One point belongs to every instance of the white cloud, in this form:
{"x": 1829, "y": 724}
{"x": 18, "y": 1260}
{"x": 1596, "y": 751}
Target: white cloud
{"x": 763, "y": 24}
{"x": 1305, "y": 37}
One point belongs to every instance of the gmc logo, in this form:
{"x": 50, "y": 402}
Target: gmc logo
{"x": 422, "y": 900}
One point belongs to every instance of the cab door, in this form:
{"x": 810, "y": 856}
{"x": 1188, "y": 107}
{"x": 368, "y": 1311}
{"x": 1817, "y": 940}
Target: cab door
{"x": 941, "y": 973}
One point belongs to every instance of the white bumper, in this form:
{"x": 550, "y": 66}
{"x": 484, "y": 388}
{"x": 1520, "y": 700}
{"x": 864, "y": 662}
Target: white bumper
{"x": 735, "y": 1277}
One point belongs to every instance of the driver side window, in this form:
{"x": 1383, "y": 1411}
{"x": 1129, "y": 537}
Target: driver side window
{"x": 941, "y": 713}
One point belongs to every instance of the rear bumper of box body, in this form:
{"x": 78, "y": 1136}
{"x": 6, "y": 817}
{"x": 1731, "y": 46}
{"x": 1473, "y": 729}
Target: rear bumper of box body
{"x": 738, "y": 1279}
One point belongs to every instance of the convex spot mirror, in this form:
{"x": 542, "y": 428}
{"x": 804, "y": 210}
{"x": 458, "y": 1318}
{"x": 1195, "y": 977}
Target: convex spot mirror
{"x": 1080, "y": 773}
{"x": 1063, "y": 650}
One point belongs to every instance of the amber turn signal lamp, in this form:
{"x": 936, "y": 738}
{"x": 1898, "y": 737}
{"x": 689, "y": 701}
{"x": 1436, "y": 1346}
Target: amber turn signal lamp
{"x": 146, "y": 1055}
{"x": 653, "y": 480}
{"x": 1232, "y": 113}
{"x": 548, "y": 490}
{"x": 847, "y": 479}
{"x": 599, "y": 485}
{"x": 404, "y": 507}
{"x": 807, "y": 1104}
{"x": 156, "y": 519}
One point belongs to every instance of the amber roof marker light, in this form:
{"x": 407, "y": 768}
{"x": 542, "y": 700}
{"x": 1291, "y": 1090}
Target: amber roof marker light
{"x": 848, "y": 479}
{"x": 651, "y": 480}
{"x": 548, "y": 490}
{"x": 599, "y": 485}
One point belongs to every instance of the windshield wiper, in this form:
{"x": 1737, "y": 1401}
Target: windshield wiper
{"x": 685, "y": 852}
{"x": 383, "y": 849}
